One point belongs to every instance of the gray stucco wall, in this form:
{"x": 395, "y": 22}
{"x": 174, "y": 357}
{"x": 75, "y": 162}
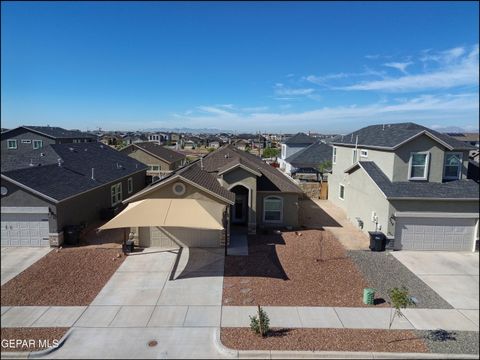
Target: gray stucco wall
{"x": 87, "y": 207}
{"x": 22, "y": 134}
{"x": 18, "y": 197}
{"x": 290, "y": 209}
{"x": 437, "y": 157}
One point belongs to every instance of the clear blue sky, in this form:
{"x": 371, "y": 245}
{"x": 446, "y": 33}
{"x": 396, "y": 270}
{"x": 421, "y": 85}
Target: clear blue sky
{"x": 288, "y": 66}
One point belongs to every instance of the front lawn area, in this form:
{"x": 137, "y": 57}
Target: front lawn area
{"x": 304, "y": 268}
{"x": 67, "y": 277}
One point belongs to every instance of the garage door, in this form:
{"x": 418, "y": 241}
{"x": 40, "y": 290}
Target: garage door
{"x": 172, "y": 237}
{"x": 449, "y": 234}
{"x": 24, "y": 229}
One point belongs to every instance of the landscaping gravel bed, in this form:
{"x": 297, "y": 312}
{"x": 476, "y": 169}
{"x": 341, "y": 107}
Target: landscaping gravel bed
{"x": 30, "y": 339}
{"x": 383, "y": 271}
{"x": 305, "y": 268}
{"x": 66, "y": 277}
{"x": 451, "y": 342}
{"x": 325, "y": 340}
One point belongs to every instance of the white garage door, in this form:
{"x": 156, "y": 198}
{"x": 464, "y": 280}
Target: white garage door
{"x": 450, "y": 234}
{"x": 24, "y": 229}
{"x": 172, "y": 237}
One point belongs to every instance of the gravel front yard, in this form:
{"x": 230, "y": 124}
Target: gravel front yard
{"x": 68, "y": 277}
{"x": 325, "y": 340}
{"x": 308, "y": 268}
{"x": 384, "y": 271}
{"x": 32, "y": 339}
{"x": 451, "y": 342}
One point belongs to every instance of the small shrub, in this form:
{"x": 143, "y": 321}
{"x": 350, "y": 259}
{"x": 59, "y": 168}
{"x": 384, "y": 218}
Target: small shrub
{"x": 260, "y": 324}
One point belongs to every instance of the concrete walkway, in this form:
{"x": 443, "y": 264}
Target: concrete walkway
{"x": 143, "y": 316}
{"x": 17, "y": 259}
{"x": 238, "y": 242}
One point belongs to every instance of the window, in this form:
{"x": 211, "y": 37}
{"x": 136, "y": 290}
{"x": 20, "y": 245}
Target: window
{"x": 37, "y": 144}
{"x": 418, "y": 166}
{"x": 130, "y": 185}
{"x": 354, "y": 156}
{"x": 26, "y": 141}
{"x": 453, "y": 166}
{"x": 273, "y": 209}
{"x": 179, "y": 188}
{"x": 334, "y": 156}
{"x": 116, "y": 192}
{"x": 341, "y": 192}
{"x": 11, "y": 144}
{"x": 154, "y": 167}
{"x": 363, "y": 153}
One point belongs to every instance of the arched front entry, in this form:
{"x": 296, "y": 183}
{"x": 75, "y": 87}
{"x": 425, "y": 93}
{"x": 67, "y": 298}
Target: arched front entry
{"x": 240, "y": 210}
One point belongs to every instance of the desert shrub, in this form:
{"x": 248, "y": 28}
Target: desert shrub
{"x": 260, "y": 323}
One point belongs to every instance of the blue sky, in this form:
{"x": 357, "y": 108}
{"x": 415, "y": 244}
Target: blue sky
{"x": 289, "y": 66}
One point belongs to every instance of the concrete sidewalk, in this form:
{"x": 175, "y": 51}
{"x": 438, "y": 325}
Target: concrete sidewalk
{"x": 17, "y": 259}
{"x": 140, "y": 316}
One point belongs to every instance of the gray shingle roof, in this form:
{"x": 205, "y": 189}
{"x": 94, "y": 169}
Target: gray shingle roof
{"x": 59, "y": 133}
{"x": 300, "y": 139}
{"x": 74, "y": 176}
{"x": 218, "y": 159}
{"x": 163, "y": 153}
{"x": 458, "y": 189}
{"x": 390, "y": 136}
{"x": 311, "y": 156}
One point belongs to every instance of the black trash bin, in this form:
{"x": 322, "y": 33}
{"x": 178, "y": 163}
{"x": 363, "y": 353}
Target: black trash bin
{"x": 72, "y": 234}
{"x": 378, "y": 240}
{"x": 128, "y": 246}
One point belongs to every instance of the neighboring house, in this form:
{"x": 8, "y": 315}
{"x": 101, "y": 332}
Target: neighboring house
{"x": 26, "y": 138}
{"x": 189, "y": 145}
{"x": 242, "y": 144}
{"x": 308, "y": 159}
{"x": 159, "y": 138}
{"x": 160, "y": 160}
{"x": 44, "y": 190}
{"x": 214, "y": 144}
{"x": 409, "y": 182}
{"x": 293, "y": 145}
{"x": 468, "y": 138}
{"x": 241, "y": 189}
{"x": 133, "y": 139}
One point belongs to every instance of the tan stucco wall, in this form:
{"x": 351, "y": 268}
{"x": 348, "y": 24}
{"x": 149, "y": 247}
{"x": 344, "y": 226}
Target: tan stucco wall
{"x": 290, "y": 208}
{"x": 148, "y": 159}
{"x": 437, "y": 152}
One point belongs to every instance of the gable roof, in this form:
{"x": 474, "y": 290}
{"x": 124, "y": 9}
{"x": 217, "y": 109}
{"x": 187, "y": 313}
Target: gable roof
{"x": 235, "y": 163}
{"x": 457, "y": 189}
{"x": 217, "y": 160}
{"x": 392, "y": 136}
{"x": 55, "y": 132}
{"x": 74, "y": 176}
{"x": 311, "y": 156}
{"x": 300, "y": 139}
{"x": 194, "y": 175}
{"x": 158, "y": 151}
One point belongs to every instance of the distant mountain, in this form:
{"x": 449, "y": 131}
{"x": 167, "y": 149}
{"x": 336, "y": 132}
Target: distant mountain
{"x": 190, "y": 130}
{"x": 453, "y": 129}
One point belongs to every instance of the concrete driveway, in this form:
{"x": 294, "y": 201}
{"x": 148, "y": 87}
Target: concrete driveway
{"x": 17, "y": 259}
{"x": 453, "y": 275}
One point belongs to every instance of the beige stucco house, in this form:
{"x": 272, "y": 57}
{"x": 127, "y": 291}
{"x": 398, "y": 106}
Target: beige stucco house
{"x": 409, "y": 182}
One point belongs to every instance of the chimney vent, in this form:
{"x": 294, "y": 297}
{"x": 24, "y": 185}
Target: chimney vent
{"x": 59, "y": 161}
{"x": 93, "y": 173}
{"x": 201, "y": 163}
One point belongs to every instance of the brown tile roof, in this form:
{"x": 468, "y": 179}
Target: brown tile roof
{"x": 219, "y": 159}
{"x": 161, "y": 152}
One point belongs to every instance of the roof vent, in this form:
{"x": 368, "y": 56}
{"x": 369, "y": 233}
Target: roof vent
{"x": 383, "y": 127}
{"x": 60, "y": 162}
{"x": 201, "y": 162}
{"x": 93, "y": 173}
{"x": 31, "y": 162}
{"x": 42, "y": 154}
{"x": 71, "y": 149}
{"x": 101, "y": 146}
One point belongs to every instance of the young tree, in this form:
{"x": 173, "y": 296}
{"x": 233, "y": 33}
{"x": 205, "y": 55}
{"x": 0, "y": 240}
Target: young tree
{"x": 399, "y": 299}
{"x": 260, "y": 323}
{"x": 326, "y": 165}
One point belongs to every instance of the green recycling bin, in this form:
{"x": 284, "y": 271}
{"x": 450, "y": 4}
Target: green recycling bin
{"x": 368, "y": 296}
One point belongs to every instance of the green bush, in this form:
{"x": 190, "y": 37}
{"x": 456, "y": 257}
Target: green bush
{"x": 271, "y": 152}
{"x": 260, "y": 323}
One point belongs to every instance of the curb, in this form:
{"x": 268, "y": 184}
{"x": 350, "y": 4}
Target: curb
{"x": 14, "y": 355}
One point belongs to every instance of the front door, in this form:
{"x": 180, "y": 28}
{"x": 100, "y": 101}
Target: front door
{"x": 239, "y": 209}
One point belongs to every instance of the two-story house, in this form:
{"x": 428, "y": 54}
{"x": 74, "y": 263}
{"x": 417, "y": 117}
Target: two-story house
{"x": 26, "y": 138}
{"x": 409, "y": 182}
{"x": 160, "y": 160}
{"x": 292, "y": 145}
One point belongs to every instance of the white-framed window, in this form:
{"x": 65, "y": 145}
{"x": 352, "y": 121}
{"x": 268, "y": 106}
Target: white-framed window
{"x": 334, "y": 155}
{"x": 418, "y": 166}
{"x": 354, "y": 156}
{"x": 154, "y": 167}
{"x": 26, "y": 141}
{"x": 130, "y": 185}
{"x": 178, "y": 188}
{"x": 11, "y": 144}
{"x": 364, "y": 153}
{"x": 37, "y": 144}
{"x": 341, "y": 192}
{"x": 273, "y": 209}
{"x": 452, "y": 166}
{"x": 116, "y": 193}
